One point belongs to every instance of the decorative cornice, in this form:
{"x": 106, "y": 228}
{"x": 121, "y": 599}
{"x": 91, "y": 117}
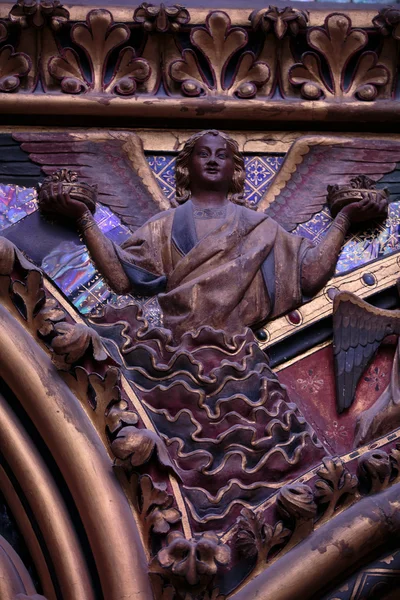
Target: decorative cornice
{"x": 157, "y": 61}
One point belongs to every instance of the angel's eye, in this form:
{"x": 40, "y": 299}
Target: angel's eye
{"x": 223, "y": 155}
{"x": 203, "y": 154}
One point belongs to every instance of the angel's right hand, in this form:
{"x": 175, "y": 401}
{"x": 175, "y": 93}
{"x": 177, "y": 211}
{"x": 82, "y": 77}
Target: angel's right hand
{"x": 57, "y": 202}
{"x": 371, "y": 207}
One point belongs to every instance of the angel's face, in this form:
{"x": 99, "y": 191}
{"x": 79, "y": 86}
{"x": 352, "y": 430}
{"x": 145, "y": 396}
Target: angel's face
{"x": 211, "y": 164}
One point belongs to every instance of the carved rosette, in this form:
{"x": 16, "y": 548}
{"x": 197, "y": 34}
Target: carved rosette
{"x": 280, "y": 21}
{"x": 161, "y": 17}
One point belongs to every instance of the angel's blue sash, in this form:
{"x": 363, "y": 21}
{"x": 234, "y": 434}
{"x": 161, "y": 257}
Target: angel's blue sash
{"x": 268, "y": 273}
{"x": 143, "y": 282}
{"x": 183, "y": 229}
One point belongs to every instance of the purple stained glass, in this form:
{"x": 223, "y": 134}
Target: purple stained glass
{"x": 16, "y": 202}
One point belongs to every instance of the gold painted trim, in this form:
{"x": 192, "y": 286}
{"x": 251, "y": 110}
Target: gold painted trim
{"x": 47, "y": 505}
{"x": 296, "y": 359}
{"x": 364, "y": 530}
{"x": 78, "y": 451}
{"x": 26, "y": 529}
{"x": 386, "y": 272}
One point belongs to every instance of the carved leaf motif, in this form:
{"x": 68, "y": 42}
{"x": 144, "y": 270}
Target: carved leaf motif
{"x": 73, "y": 341}
{"x": 186, "y": 71}
{"x": 395, "y": 460}
{"x": 255, "y": 538}
{"x": 32, "y": 295}
{"x": 337, "y": 42}
{"x": 250, "y": 75}
{"x": 66, "y": 68}
{"x": 297, "y": 501}
{"x": 367, "y": 77}
{"x": 156, "y": 506}
{"x": 13, "y": 66}
{"x": 98, "y": 37}
{"x": 308, "y": 75}
{"x": 135, "y": 447}
{"x": 129, "y": 71}
{"x": 336, "y": 483}
{"x": 251, "y": 533}
{"x": 375, "y": 466}
{"x": 119, "y": 415}
{"x": 95, "y": 393}
{"x": 50, "y": 314}
{"x": 218, "y": 42}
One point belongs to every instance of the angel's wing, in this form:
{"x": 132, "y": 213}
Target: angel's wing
{"x": 299, "y": 190}
{"x": 358, "y": 330}
{"x": 113, "y": 161}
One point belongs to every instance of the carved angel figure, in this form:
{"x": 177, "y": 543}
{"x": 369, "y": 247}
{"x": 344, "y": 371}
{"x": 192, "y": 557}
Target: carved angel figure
{"x": 218, "y": 268}
{"x": 213, "y": 261}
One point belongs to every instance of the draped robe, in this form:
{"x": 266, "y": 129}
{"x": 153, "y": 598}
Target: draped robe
{"x": 241, "y": 273}
{"x": 228, "y": 423}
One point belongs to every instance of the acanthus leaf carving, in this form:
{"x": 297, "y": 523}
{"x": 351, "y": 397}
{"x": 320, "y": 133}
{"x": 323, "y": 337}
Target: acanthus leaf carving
{"x": 13, "y": 66}
{"x": 98, "y": 37}
{"x": 66, "y": 69}
{"x": 161, "y": 17}
{"x": 134, "y": 447}
{"x": 72, "y": 341}
{"x": 336, "y": 488}
{"x": 256, "y": 538}
{"x": 155, "y": 506}
{"x": 337, "y": 43}
{"x": 129, "y": 71}
{"x": 218, "y": 42}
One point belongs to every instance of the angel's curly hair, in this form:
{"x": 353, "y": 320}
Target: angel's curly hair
{"x": 236, "y": 188}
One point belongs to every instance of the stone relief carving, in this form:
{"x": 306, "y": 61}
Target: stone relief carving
{"x": 223, "y": 427}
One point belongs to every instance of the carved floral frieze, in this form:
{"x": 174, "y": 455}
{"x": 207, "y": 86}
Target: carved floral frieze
{"x": 160, "y": 51}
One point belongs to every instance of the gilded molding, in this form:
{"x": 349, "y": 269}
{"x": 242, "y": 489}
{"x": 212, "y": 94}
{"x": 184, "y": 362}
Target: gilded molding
{"x": 82, "y": 458}
{"x": 46, "y": 503}
{"x": 162, "y": 74}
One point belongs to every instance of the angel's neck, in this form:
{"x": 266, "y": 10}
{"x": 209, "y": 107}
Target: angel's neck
{"x": 209, "y": 199}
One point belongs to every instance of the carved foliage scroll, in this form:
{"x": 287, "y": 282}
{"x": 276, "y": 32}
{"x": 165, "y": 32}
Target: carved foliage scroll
{"x": 216, "y": 59}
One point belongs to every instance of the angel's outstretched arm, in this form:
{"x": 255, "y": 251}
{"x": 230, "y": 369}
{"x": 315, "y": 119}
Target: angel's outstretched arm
{"x": 320, "y": 261}
{"x": 103, "y": 254}
{"x": 101, "y": 249}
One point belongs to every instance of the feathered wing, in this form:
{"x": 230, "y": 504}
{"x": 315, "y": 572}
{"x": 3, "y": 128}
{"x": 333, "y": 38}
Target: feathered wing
{"x": 113, "y": 161}
{"x": 299, "y": 190}
{"x": 358, "y": 330}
